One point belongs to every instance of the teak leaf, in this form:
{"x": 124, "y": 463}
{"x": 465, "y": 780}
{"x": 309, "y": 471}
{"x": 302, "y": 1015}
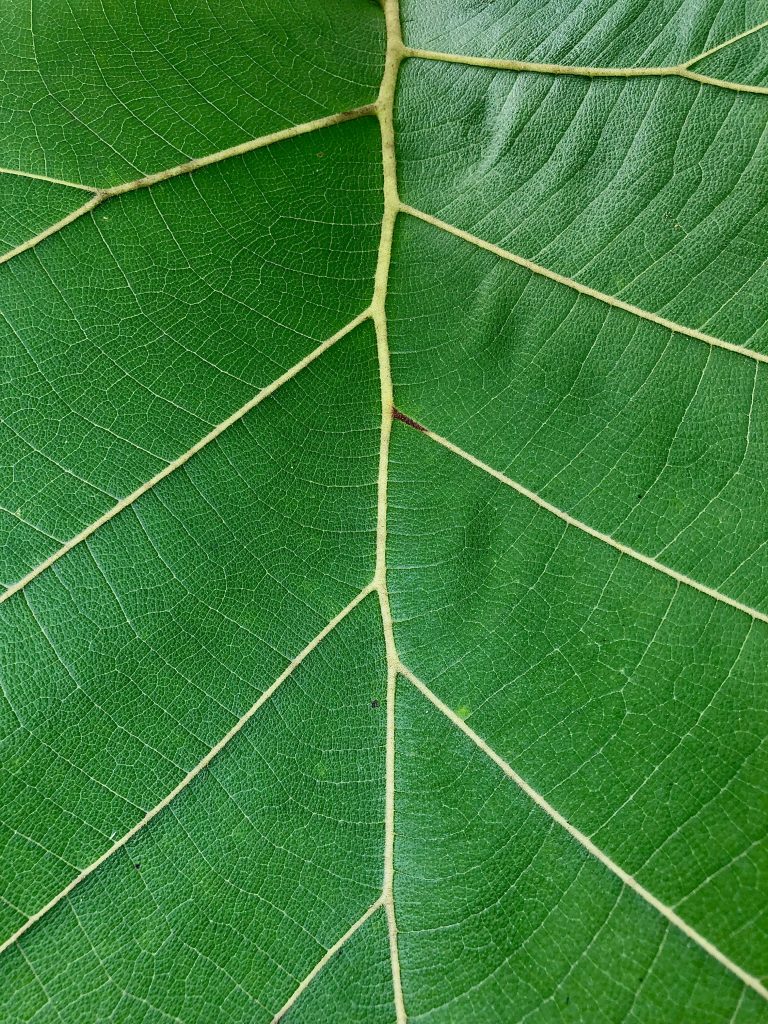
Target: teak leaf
{"x": 383, "y": 512}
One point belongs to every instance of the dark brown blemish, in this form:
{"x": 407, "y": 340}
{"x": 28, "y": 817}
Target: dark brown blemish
{"x": 397, "y": 415}
{"x": 137, "y": 866}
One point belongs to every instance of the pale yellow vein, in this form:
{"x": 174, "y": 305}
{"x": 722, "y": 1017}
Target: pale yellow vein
{"x": 726, "y": 42}
{"x": 185, "y": 457}
{"x": 190, "y": 776}
{"x": 239, "y": 150}
{"x": 629, "y": 880}
{"x": 102, "y": 194}
{"x": 584, "y": 71}
{"x": 385, "y": 110}
{"x": 681, "y": 70}
{"x": 53, "y": 228}
{"x": 570, "y": 282}
{"x": 331, "y": 953}
{"x": 45, "y": 177}
{"x": 605, "y": 538}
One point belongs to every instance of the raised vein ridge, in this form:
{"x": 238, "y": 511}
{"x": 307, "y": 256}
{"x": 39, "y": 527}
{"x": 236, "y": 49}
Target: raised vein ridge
{"x": 190, "y": 776}
{"x": 185, "y": 457}
{"x": 570, "y": 282}
{"x": 629, "y": 880}
{"x": 570, "y": 520}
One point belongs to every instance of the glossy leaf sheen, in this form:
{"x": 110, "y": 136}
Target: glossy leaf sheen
{"x": 317, "y": 710}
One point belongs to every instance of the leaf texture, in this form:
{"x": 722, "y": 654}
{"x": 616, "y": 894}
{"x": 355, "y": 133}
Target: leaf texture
{"x": 384, "y": 618}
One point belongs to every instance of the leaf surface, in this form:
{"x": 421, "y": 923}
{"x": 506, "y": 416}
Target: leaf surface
{"x": 385, "y": 616}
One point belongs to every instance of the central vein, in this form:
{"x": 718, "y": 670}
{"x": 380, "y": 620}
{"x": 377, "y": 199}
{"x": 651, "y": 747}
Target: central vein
{"x": 385, "y": 111}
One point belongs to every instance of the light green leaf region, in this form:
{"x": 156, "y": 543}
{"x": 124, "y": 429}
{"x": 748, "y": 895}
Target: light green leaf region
{"x": 382, "y": 513}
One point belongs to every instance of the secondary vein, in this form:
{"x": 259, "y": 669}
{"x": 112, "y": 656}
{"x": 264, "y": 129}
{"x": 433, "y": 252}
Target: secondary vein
{"x": 629, "y": 880}
{"x": 185, "y": 457}
{"x": 570, "y": 520}
{"x": 191, "y": 775}
{"x": 569, "y": 282}
{"x": 585, "y": 71}
{"x": 100, "y": 195}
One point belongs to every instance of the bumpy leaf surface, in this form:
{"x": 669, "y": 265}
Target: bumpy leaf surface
{"x": 383, "y": 531}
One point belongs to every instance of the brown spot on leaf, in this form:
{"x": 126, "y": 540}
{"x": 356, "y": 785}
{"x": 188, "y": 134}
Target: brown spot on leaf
{"x": 396, "y": 414}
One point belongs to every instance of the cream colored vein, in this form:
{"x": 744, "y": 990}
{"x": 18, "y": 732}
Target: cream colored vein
{"x": 727, "y": 42}
{"x": 185, "y": 457}
{"x": 583, "y": 71}
{"x": 504, "y": 64}
{"x": 191, "y": 775}
{"x": 611, "y": 300}
{"x": 53, "y": 228}
{"x": 681, "y": 70}
{"x": 100, "y": 195}
{"x": 45, "y": 177}
{"x": 761, "y": 90}
{"x": 606, "y": 538}
{"x": 239, "y": 150}
{"x": 385, "y": 110}
{"x": 325, "y": 959}
{"x": 629, "y": 880}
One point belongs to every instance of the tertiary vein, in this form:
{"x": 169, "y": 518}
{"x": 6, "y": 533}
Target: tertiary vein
{"x": 629, "y": 880}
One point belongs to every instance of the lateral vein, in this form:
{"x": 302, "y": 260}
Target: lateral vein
{"x": 191, "y": 775}
{"x": 304, "y": 985}
{"x": 570, "y": 520}
{"x": 569, "y": 282}
{"x": 185, "y": 457}
{"x": 45, "y": 177}
{"x": 100, "y": 195}
{"x": 629, "y": 880}
{"x": 681, "y": 70}
{"x": 52, "y": 229}
{"x": 726, "y": 42}
{"x": 240, "y": 149}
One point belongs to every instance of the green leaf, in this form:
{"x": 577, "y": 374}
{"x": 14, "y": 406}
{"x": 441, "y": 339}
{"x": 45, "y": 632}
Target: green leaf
{"x": 385, "y": 596}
